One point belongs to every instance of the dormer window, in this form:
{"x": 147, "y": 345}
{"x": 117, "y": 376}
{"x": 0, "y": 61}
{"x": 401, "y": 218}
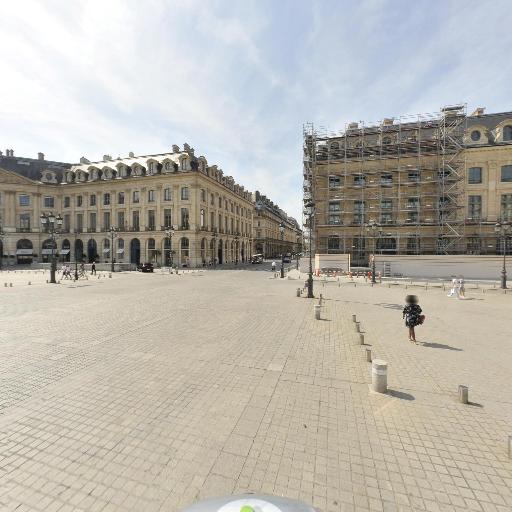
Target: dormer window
{"x": 167, "y": 166}
{"x": 476, "y": 135}
{"x": 507, "y": 133}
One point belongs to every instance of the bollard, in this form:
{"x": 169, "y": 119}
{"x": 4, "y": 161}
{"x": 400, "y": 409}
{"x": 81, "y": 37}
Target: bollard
{"x": 463, "y": 394}
{"x": 29, "y": 283}
{"x": 379, "y": 376}
{"x": 98, "y": 277}
{"x": 10, "y": 285}
{"x": 317, "y": 311}
{"x": 510, "y": 447}
{"x": 5, "y": 284}
{"x": 368, "y": 355}
{"x": 361, "y": 339}
{"x": 320, "y": 300}
{"x": 298, "y": 292}
{"x": 354, "y": 318}
{"x": 357, "y": 327}
{"x": 110, "y": 275}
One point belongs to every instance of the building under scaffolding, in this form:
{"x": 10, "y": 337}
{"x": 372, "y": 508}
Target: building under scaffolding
{"x": 396, "y": 187}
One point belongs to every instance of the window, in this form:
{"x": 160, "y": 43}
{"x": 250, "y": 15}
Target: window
{"x": 334, "y": 218}
{"x": 92, "y": 222}
{"x": 386, "y": 218}
{"x": 203, "y": 195}
{"x": 474, "y": 245}
{"x": 475, "y": 175}
{"x": 413, "y": 203}
{"x": 167, "y": 166}
{"x": 386, "y": 140}
{"x": 151, "y": 196}
{"x": 92, "y": 200}
{"x": 506, "y": 207}
{"x": 167, "y": 217}
{"x": 79, "y": 201}
{"x": 220, "y": 202}
{"x": 333, "y": 244}
{"x": 184, "y": 193}
{"x": 151, "y": 167}
{"x": 25, "y": 222}
{"x": 212, "y": 200}
{"x": 183, "y": 164}
{"x": 136, "y": 196}
{"x": 106, "y": 220}
{"x": 507, "y": 133}
{"x": 334, "y": 206}
{"x": 359, "y": 180}
{"x": 413, "y": 245}
{"x": 334, "y": 182}
{"x": 232, "y": 208}
{"x": 475, "y": 135}
{"x": 202, "y": 218}
{"x": 212, "y": 220}
{"x": 167, "y": 194}
{"x": 49, "y": 202}
{"x": 184, "y": 218}
{"x": 120, "y": 198}
{"x": 106, "y": 199}
{"x": 359, "y": 206}
{"x": 226, "y": 204}
{"x": 386, "y": 204}
{"x": 474, "y": 207}
{"x": 386, "y": 180}
{"x": 67, "y": 202}
{"x": 67, "y": 222}
{"x": 506, "y": 173}
{"x": 120, "y": 220}
{"x": 24, "y": 200}
{"x": 413, "y": 176}
{"x": 151, "y": 220}
{"x": 79, "y": 222}
{"x": 135, "y": 221}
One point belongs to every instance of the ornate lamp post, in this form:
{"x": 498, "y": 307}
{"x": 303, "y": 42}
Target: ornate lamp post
{"x": 502, "y": 230}
{"x": 2, "y": 235}
{"x": 113, "y": 234}
{"x": 214, "y": 237}
{"x": 281, "y": 232}
{"x": 236, "y": 249}
{"x": 169, "y": 231}
{"x": 77, "y": 232}
{"x": 51, "y": 225}
{"x": 373, "y": 228}
{"x": 310, "y": 211}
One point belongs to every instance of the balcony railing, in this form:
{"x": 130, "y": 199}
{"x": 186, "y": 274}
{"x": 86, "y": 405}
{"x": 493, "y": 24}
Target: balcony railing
{"x": 23, "y": 230}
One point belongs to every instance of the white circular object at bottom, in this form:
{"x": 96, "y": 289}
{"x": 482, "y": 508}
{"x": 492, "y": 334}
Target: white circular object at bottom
{"x": 256, "y": 504}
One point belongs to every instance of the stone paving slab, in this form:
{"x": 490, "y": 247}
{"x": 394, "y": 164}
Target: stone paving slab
{"x": 149, "y": 391}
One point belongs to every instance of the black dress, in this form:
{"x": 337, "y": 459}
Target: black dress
{"x": 412, "y": 314}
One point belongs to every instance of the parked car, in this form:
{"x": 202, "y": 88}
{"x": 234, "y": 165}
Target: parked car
{"x": 257, "y": 258}
{"x": 145, "y": 267}
{"x": 287, "y": 259}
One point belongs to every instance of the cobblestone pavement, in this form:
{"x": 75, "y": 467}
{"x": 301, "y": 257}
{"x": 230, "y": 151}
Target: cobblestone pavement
{"x": 146, "y": 392}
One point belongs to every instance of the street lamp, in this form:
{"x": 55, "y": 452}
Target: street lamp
{"x": 310, "y": 210}
{"x": 281, "y": 231}
{"x": 51, "y": 225}
{"x": 77, "y": 232}
{"x": 113, "y": 234}
{"x": 2, "y": 234}
{"x": 236, "y": 249}
{"x": 169, "y": 231}
{"x": 373, "y": 227}
{"x": 502, "y": 230}
{"x": 214, "y": 255}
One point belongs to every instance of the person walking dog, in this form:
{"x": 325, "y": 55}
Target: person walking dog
{"x": 412, "y": 315}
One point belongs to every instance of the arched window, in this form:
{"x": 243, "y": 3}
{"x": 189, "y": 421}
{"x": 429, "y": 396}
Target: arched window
{"x": 184, "y": 252}
{"x": 475, "y": 135}
{"x": 183, "y": 164}
{"x": 386, "y": 140}
{"x": 120, "y": 249}
{"x": 507, "y": 133}
{"x": 202, "y": 218}
{"x": 151, "y": 244}
{"x": 167, "y": 166}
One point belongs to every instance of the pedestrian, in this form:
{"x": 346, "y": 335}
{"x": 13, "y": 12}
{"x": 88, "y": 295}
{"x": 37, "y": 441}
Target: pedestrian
{"x": 93, "y": 268}
{"x": 453, "y": 289}
{"x": 461, "y": 288}
{"x": 412, "y": 315}
{"x": 273, "y": 266}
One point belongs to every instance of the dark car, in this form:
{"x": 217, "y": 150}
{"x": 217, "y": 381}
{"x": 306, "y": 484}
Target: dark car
{"x": 145, "y": 267}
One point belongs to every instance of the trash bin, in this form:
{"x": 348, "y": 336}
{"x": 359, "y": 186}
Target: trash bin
{"x": 249, "y": 503}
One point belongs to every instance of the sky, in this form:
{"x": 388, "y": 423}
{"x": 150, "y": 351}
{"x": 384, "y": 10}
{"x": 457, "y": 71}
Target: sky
{"x": 237, "y": 80}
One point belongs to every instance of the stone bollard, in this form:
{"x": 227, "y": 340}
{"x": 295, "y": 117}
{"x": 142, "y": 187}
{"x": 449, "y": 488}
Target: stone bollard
{"x": 110, "y": 275}
{"x": 29, "y": 283}
{"x": 379, "y": 376}
{"x": 318, "y": 308}
{"x": 368, "y": 355}
{"x": 298, "y": 292}
{"x": 357, "y": 327}
{"x": 354, "y": 318}
{"x": 361, "y": 339}
{"x": 99, "y": 277}
{"x": 321, "y": 299}
{"x": 510, "y": 447}
{"x": 5, "y": 285}
{"x": 463, "y": 394}
{"x": 10, "y": 285}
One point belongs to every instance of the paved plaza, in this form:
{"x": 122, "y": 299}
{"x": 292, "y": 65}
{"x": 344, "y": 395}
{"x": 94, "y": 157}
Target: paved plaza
{"x": 147, "y": 392}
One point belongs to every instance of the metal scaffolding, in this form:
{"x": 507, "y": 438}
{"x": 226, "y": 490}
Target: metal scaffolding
{"x": 404, "y": 173}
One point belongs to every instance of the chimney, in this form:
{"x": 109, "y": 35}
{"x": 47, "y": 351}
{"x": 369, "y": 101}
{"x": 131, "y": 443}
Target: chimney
{"x": 107, "y": 158}
{"x": 131, "y": 155}
{"x": 175, "y": 148}
{"x": 387, "y": 121}
{"x": 7, "y": 152}
{"x": 40, "y": 156}
{"x": 1, "y": 154}
{"x": 480, "y": 111}
{"x": 12, "y": 152}
{"x": 353, "y": 126}
{"x": 84, "y": 160}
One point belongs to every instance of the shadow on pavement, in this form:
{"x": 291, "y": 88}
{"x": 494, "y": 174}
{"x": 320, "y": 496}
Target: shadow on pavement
{"x": 400, "y": 394}
{"x": 439, "y": 345}
{"x": 389, "y": 306}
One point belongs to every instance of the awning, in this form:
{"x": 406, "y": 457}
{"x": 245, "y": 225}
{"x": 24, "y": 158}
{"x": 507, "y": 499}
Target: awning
{"x": 24, "y": 252}
{"x": 48, "y": 251}
{"x": 120, "y": 251}
{"x": 106, "y": 250}
{"x": 64, "y": 251}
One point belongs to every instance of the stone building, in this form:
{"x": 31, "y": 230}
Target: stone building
{"x": 269, "y": 239}
{"x": 139, "y": 196}
{"x": 427, "y": 184}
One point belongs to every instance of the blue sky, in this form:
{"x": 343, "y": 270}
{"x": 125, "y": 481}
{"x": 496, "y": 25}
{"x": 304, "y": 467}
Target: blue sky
{"x": 237, "y": 80}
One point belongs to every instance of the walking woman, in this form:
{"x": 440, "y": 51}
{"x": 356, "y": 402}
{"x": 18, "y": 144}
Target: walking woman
{"x": 412, "y": 315}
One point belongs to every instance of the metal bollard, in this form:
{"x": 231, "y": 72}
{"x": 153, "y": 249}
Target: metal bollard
{"x": 298, "y": 292}
{"x": 357, "y": 327}
{"x": 354, "y": 318}
{"x": 379, "y": 376}
{"x": 318, "y": 308}
{"x": 361, "y": 339}
{"x": 463, "y": 394}
{"x": 369, "y": 355}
